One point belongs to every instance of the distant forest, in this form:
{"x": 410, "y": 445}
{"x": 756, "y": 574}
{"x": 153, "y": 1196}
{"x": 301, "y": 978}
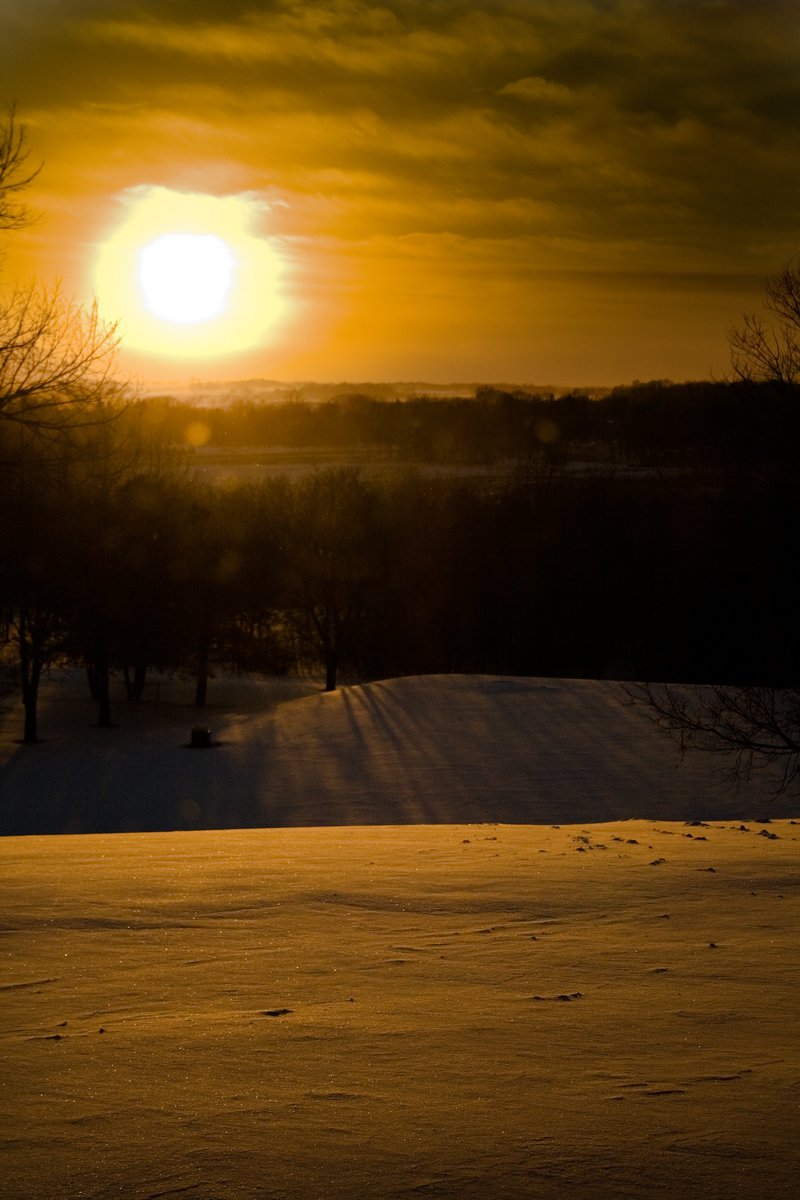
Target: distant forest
{"x": 649, "y": 534}
{"x": 686, "y": 425}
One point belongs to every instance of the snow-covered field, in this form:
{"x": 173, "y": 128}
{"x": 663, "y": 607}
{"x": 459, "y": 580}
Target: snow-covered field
{"x": 481, "y": 954}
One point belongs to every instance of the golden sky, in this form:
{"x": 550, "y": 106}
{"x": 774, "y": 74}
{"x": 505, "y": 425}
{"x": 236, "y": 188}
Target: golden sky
{"x": 549, "y": 191}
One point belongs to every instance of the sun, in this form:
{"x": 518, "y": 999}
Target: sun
{"x": 186, "y": 278}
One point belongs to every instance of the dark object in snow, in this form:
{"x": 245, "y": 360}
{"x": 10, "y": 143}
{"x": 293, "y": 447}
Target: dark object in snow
{"x": 564, "y": 997}
{"x": 200, "y": 738}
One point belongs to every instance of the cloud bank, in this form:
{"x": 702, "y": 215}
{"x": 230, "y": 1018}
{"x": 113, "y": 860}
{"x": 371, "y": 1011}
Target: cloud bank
{"x": 590, "y": 138}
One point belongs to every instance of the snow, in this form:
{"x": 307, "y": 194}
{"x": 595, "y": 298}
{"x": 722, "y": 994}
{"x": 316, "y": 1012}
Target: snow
{"x": 431, "y": 749}
{"x": 479, "y": 953}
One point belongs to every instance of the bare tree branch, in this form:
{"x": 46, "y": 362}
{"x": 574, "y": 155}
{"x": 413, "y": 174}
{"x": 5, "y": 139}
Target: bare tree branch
{"x": 783, "y": 294}
{"x": 15, "y": 174}
{"x": 751, "y": 727}
{"x": 770, "y": 352}
{"x": 56, "y": 359}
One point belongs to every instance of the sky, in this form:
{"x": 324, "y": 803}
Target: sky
{"x": 574, "y": 192}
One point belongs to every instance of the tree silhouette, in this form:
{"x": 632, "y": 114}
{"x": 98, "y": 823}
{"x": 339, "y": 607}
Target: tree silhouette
{"x": 57, "y": 384}
{"x": 769, "y": 350}
{"x": 15, "y": 173}
{"x": 56, "y": 357}
{"x": 750, "y": 727}
{"x": 35, "y": 558}
{"x": 56, "y": 361}
{"x": 332, "y": 567}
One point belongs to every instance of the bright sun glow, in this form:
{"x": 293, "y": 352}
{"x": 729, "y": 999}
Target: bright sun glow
{"x": 186, "y": 278}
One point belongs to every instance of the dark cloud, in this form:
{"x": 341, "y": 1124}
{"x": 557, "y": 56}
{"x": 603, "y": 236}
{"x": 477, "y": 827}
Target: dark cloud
{"x": 619, "y": 97}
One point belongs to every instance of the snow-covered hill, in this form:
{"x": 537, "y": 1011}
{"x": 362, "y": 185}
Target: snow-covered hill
{"x": 431, "y": 749}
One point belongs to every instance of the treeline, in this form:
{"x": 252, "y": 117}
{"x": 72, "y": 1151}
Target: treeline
{"x": 651, "y": 424}
{"x": 113, "y": 558}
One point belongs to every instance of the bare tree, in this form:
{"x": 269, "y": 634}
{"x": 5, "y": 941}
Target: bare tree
{"x": 749, "y": 727}
{"x": 332, "y": 563}
{"x": 56, "y": 378}
{"x": 56, "y": 359}
{"x": 769, "y": 350}
{"x": 15, "y": 173}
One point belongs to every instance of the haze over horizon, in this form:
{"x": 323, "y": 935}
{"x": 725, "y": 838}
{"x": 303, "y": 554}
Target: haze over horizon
{"x": 578, "y": 194}
{"x": 258, "y": 386}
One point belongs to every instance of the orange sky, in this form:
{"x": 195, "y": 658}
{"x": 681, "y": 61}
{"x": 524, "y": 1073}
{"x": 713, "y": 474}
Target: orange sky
{"x": 577, "y": 192}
